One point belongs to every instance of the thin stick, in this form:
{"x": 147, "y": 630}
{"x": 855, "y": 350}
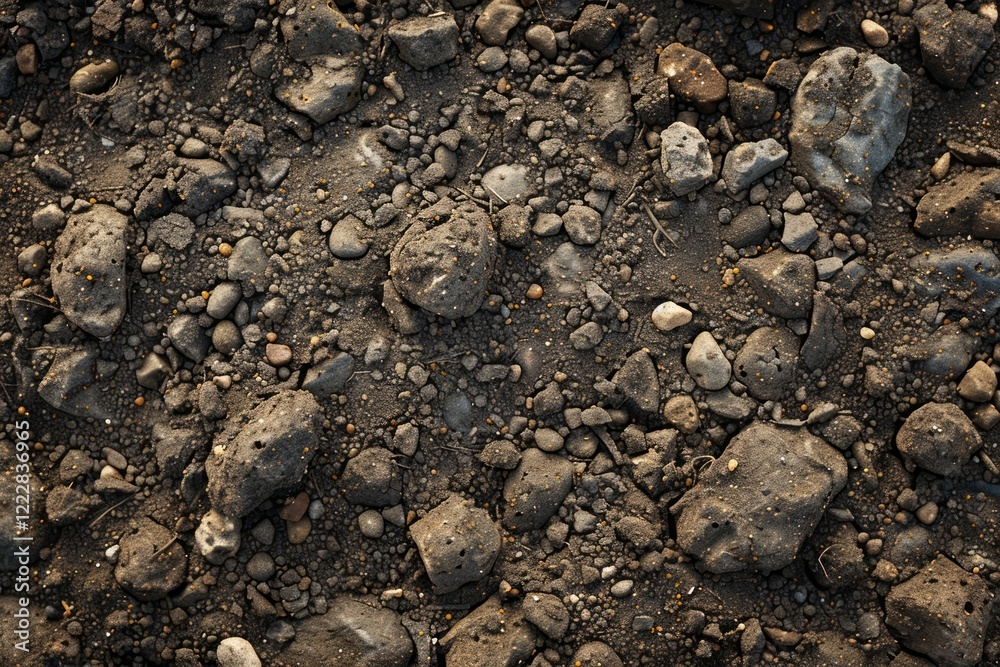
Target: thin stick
{"x": 819, "y": 559}
{"x": 659, "y": 228}
{"x": 164, "y": 547}
{"x": 110, "y": 509}
{"x": 494, "y": 193}
{"x": 989, "y": 462}
{"x": 542, "y": 11}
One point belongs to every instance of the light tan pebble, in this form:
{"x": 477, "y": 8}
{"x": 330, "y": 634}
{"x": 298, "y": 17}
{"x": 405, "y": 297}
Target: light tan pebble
{"x": 941, "y": 166}
{"x": 669, "y": 316}
{"x": 874, "y": 34}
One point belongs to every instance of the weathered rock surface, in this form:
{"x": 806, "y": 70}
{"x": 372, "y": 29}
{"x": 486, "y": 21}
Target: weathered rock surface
{"x": 942, "y": 612}
{"x": 536, "y": 489}
{"x": 445, "y": 269}
{"x": 458, "y": 543}
{"x": 357, "y": 633}
{"x": 966, "y": 204}
{"x": 939, "y": 437}
{"x": 270, "y": 453}
{"x": 758, "y": 514}
{"x": 849, "y": 116}
{"x": 88, "y": 270}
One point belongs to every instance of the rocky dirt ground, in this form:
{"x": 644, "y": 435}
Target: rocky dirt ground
{"x": 492, "y": 333}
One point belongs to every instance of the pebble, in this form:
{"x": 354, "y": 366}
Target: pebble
{"x": 372, "y": 524}
{"x": 874, "y": 34}
{"x": 278, "y": 354}
{"x": 543, "y": 39}
{"x": 299, "y": 530}
{"x": 236, "y": 652}
{"x": 622, "y": 589}
{"x": 669, "y": 316}
{"x": 707, "y": 364}
{"x": 534, "y": 292}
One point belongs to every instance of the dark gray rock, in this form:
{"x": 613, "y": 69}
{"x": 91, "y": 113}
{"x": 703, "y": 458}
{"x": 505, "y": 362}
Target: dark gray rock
{"x": 188, "y": 338}
{"x": 597, "y": 26}
{"x": 638, "y": 382}
{"x": 766, "y": 362}
{"x": 751, "y": 102}
{"x": 270, "y": 453}
{"x": 458, "y": 543}
{"x": 357, "y": 633}
{"x": 497, "y": 20}
{"x": 596, "y": 654}
{"x": 223, "y": 299}
{"x": 226, "y": 338}
{"x": 965, "y": 204}
{"x": 848, "y": 117}
{"x": 782, "y": 281}
{"x": 966, "y": 279}
{"x": 204, "y": 185}
{"x": 145, "y": 573}
{"x": 347, "y": 239}
{"x": 71, "y": 383}
{"x": 536, "y": 489}
{"x": 238, "y": 15}
{"x": 425, "y": 41}
{"x": 759, "y": 500}
{"x": 154, "y": 370}
{"x": 939, "y": 437}
{"x": 446, "y": 269}
{"x": 329, "y": 376}
{"x": 952, "y": 42}
{"x": 942, "y": 612}
{"x": 174, "y": 448}
{"x": 318, "y": 32}
{"x": 88, "y": 270}
{"x": 371, "y": 479}
{"x": 494, "y": 634}
{"x": 749, "y": 228}
{"x": 248, "y": 264}
{"x": 826, "y": 334}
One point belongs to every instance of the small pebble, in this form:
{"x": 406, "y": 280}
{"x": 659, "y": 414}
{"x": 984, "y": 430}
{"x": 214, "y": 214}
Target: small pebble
{"x": 534, "y": 292}
{"x": 867, "y": 333}
{"x": 278, "y": 355}
{"x": 372, "y": 524}
{"x": 669, "y": 316}
{"x": 874, "y": 34}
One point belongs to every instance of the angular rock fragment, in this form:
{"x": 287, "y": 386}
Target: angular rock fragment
{"x": 707, "y": 364}
{"x": 849, "y": 115}
{"x": 965, "y": 278}
{"x": 826, "y": 333}
{"x": 966, "y": 204}
{"x": 425, "y": 41}
{"x": 952, "y": 42}
{"x": 751, "y": 161}
{"x": 535, "y": 489}
{"x": 327, "y": 93}
{"x": 783, "y": 282}
{"x": 445, "y": 269}
{"x": 492, "y": 635}
{"x": 458, "y": 543}
{"x": 939, "y": 437}
{"x": 88, "y": 270}
{"x": 371, "y": 479}
{"x": 684, "y": 157}
{"x": 942, "y": 612}
{"x": 357, "y": 633}
{"x": 756, "y": 513}
{"x": 270, "y": 453}
{"x": 70, "y": 383}
{"x": 638, "y": 382}
{"x": 151, "y": 563}
{"x": 204, "y": 185}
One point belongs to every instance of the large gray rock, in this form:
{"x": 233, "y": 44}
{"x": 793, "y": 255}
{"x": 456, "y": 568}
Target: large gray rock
{"x": 270, "y": 453}
{"x": 849, "y": 115}
{"x": 942, "y": 612}
{"x": 204, "y": 185}
{"x": 952, "y": 42}
{"x": 685, "y": 159}
{"x": 70, "y": 384}
{"x": 445, "y": 269}
{"x": 425, "y": 41}
{"x": 966, "y": 204}
{"x": 351, "y": 633}
{"x": 458, "y": 543}
{"x": 939, "y": 437}
{"x": 318, "y": 32}
{"x": 88, "y": 270}
{"x": 535, "y": 489}
{"x": 326, "y": 94}
{"x": 759, "y": 500}
{"x": 371, "y": 479}
{"x": 939, "y": 272}
{"x": 492, "y": 635}
{"x": 782, "y": 281}
{"x": 145, "y": 569}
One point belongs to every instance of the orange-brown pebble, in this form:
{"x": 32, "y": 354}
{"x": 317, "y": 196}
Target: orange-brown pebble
{"x": 225, "y": 249}
{"x": 140, "y": 401}
{"x": 271, "y": 337}
{"x": 351, "y": 429}
{"x": 534, "y": 292}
